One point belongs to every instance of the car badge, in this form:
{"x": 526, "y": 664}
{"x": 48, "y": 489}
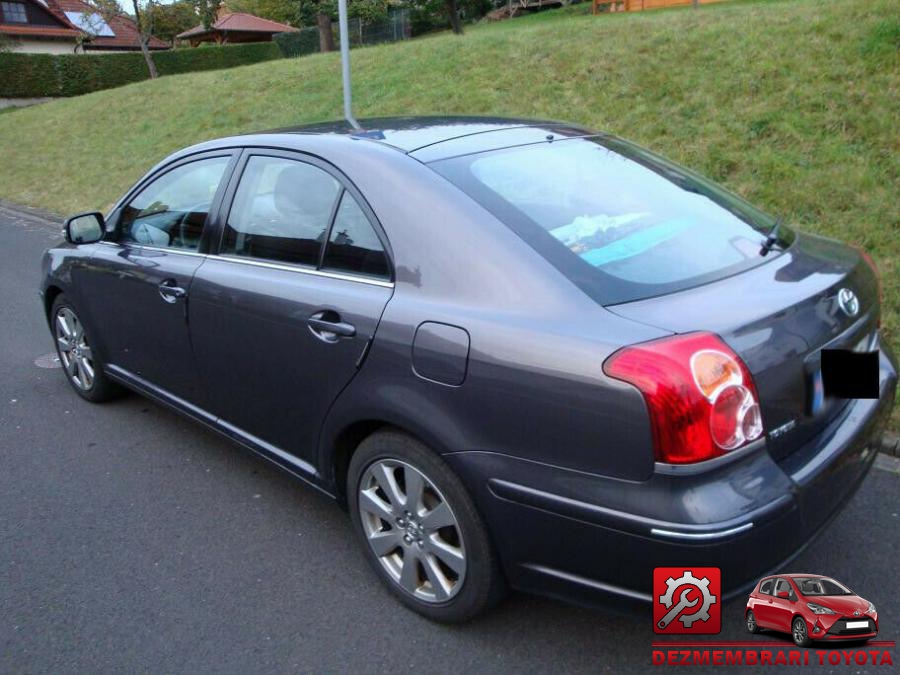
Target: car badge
{"x": 848, "y": 302}
{"x": 856, "y": 613}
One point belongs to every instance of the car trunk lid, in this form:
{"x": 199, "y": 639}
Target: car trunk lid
{"x": 778, "y": 317}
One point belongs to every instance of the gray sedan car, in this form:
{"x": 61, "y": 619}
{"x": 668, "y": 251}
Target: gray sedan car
{"x": 523, "y": 354}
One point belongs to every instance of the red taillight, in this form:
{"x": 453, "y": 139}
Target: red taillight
{"x": 700, "y": 395}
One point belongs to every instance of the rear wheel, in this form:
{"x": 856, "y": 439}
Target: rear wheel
{"x": 419, "y": 529}
{"x": 82, "y": 367}
{"x": 752, "y": 626}
{"x": 800, "y": 633}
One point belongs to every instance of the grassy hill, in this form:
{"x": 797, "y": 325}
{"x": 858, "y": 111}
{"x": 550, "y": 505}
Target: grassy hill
{"x": 792, "y": 103}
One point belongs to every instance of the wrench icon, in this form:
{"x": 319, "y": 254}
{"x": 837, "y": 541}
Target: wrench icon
{"x": 676, "y": 610}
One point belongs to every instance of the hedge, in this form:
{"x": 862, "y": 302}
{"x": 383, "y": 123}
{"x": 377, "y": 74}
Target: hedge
{"x": 36, "y": 75}
{"x": 300, "y": 43}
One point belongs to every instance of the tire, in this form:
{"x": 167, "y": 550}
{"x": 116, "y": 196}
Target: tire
{"x": 800, "y": 632}
{"x": 82, "y": 368}
{"x": 436, "y": 557}
{"x": 752, "y": 626}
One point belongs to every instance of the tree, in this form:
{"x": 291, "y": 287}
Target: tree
{"x": 323, "y": 13}
{"x": 207, "y": 10}
{"x": 110, "y": 9}
{"x": 452, "y": 7}
{"x": 170, "y": 20}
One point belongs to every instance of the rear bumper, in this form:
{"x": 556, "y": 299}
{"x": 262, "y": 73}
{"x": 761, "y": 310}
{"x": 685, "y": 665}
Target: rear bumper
{"x": 592, "y": 540}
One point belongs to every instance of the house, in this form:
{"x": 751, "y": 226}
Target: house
{"x": 66, "y": 26}
{"x": 232, "y": 27}
{"x": 33, "y": 26}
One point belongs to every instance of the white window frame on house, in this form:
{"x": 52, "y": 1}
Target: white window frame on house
{"x": 14, "y": 12}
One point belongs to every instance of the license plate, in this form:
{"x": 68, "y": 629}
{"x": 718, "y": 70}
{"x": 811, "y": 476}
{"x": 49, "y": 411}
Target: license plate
{"x": 847, "y": 374}
{"x": 857, "y": 624}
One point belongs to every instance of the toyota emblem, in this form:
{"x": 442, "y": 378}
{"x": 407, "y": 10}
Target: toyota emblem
{"x": 856, "y": 613}
{"x": 848, "y": 302}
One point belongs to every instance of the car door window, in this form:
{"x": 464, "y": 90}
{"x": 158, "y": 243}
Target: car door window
{"x": 766, "y": 587}
{"x": 353, "y": 246}
{"x": 171, "y": 211}
{"x": 783, "y": 585}
{"x": 281, "y": 211}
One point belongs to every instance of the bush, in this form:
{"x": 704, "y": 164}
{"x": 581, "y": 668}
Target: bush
{"x": 35, "y": 75}
{"x": 304, "y": 41}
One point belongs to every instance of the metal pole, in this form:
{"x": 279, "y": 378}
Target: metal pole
{"x": 345, "y": 64}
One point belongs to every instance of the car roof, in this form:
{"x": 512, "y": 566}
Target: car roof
{"x": 462, "y": 134}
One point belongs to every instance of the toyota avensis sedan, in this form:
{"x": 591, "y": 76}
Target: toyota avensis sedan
{"x": 522, "y": 353}
{"x": 810, "y": 607}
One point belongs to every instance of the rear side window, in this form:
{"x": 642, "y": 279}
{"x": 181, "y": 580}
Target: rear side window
{"x": 620, "y": 222}
{"x": 281, "y": 211}
{"x": 353, "y": 245}
{"x": 766, "y": 587}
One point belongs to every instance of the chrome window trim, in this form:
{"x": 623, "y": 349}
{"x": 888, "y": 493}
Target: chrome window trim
{"x": 302, "y": 270}
{"x": 163, "y": 249}
{"x": 262, "y": 263}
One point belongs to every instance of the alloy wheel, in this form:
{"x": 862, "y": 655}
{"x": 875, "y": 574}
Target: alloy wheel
{"x": 751, "y": 622}
{"x": 74, "y": 351}
{"x": 412, "y": 530}
{"x": 799, "y": 631}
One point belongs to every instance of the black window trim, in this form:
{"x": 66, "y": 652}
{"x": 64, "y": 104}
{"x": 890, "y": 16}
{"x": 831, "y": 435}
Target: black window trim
{"x": 112, "y": 233}
{"x": 345, "y": 186}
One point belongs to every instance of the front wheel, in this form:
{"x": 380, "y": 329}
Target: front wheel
{"x": 81, "y": 365}
{"x": 800, "y": 633}
{"x": 419, "y": 529}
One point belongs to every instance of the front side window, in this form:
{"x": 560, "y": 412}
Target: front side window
{"x": 14, "y": 12}
{"x": 171, "y": 211}
{"x": 783, "y": 586}
{"x": 821, "y": 586}
{"x": 620, "y": 222}
{"x": 281, "y": 211}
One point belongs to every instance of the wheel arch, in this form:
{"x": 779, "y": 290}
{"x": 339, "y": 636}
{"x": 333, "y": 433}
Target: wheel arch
{"x": 343, "y": 443}
{"x": 52, "y": 292}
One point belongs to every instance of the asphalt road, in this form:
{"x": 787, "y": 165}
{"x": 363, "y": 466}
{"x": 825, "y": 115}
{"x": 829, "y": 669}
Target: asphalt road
{"x": 133, "y": 540}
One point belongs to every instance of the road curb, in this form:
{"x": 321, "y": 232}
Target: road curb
{"x": 890, "y": 444}
{"x": 32, "y": 213}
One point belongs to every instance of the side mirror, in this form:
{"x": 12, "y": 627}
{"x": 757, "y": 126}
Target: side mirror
{"x": 85, "y": 228}
{"x": 783, "y": 594}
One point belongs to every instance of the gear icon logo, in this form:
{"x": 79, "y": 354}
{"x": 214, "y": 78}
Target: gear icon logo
{"x": 687, "y": 601}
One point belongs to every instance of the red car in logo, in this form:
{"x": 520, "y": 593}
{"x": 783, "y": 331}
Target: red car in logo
{"x": 810, "y": 607}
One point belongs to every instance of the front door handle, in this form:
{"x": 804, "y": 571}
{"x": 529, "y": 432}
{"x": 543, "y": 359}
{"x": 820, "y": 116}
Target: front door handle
{"x": 170, "y": 291}
{"x": 327, "y": 325}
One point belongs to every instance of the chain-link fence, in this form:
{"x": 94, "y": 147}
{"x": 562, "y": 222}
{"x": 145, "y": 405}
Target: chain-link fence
{"x": 396, "y": 26}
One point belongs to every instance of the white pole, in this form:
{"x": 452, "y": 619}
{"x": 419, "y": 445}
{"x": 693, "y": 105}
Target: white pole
{"x": 345, "y": 64}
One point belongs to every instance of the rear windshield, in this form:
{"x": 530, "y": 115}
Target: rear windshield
{"x": 621, "y": 223}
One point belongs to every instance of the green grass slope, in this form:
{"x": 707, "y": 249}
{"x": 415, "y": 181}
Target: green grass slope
{"x": 791, "y": 103}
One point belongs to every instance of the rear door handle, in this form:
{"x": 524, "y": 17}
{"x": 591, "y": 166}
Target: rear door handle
{"x": 327, "y": 325}
{"x": 171, "y": 291}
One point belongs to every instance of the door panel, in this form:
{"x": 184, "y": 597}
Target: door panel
{"x": 783, "y": 608}
{"x": 138, "y": 288}
{"x": 266, "y": 370}
{"x": 143, "y": 332}
{"x": 763, "y": 609}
